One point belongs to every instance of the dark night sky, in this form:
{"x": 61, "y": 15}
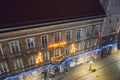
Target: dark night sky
{"x": 21, "y": 12}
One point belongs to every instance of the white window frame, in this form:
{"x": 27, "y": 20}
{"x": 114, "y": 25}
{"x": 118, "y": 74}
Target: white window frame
{"x": 97, "y": 28}
{"x": 59, "y": 35}
{"x": 32, "y": 59}
{"x": 46, "y": 55}
{"x": 18, "y": 62}
{"x": 1, "y": 50}
{"x": 11, "y": 46}
{"x": 79, "y": 46}
{"x": 94, "y": 42}
{"x": 88, "y": 31}
{"x": 43, "y": 40}
{"x": 67, "y": 50}
{"x": 80, "y": 32}
{"x": 57, "y": 52}
{"x": 30, "y": 43}
{"x": 3, "y": 65}
{"x": 69, "y": 35}
{"x": 86, "y": 43}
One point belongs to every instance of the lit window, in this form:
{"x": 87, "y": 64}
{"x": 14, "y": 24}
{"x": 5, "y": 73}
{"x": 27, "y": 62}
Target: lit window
{"x": 1, "y": 51}
{"x": 44, "y": 39}
{"x": 14, "y": 45}
{"x": 68, "y": 35}
{"x": 57, "y": 36}
{"x": 79, "y": 34}
{"x": 39, "y": 58}
{"x": 32, "y": 59}
{"x": 18, "y": 63}
{"x": 3, "y": 68}
{"x": 30, "y": 43}
{"x": 72, "y": 48}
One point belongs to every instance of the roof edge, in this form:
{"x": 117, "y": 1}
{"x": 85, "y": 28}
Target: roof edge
{"x": 48, "y": 23}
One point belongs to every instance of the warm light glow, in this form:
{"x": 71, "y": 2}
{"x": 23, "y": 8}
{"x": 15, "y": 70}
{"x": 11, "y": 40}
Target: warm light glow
{"x": 27, "y": 73}
{"x": 39, "y": 58}
{"x": 73, "y": 48}
{"x": 59, "y": 44}
{"x": 57, "y": 58}
{"x": 91, "y": 62}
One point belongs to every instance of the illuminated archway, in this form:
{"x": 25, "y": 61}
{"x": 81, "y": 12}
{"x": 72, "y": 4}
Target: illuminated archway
{"x": 39, "y": 58}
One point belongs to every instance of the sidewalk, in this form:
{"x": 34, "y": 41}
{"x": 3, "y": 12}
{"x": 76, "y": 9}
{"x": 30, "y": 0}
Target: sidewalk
{"x": 82, "y": 70}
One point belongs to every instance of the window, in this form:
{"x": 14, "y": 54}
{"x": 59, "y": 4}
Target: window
{"x": 14, "y": 45}
{"x": 79, "y": 46}
{"x": 44, "y": 40}
{"x": 86, "y": 44}
{"x": 79, "y": 34}
{"x": 18, "y": 63}
{"x": 57, "y": 52}
{"x": 32, "y": 60}
{"x": 30, "y": 43}
{"x": 1, "y": 51}
{"x": 88, "y": 32}
{"x": 3, "y": 68}
{"x": 94, "y": 42}
{"x": 67, "y": 50}
{"x": 97, "y": 29}
{"x": 46, "y": 55}
{"x": 68, "y": 35}
{"x": 57, "y": 36}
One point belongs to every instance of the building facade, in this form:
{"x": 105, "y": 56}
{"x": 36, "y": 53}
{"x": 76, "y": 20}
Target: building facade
{"x": 111, "y": 25}
{"x": 118, "y": 42}
{"x": 31, "y": 48}
{"x": 40, "y": 50}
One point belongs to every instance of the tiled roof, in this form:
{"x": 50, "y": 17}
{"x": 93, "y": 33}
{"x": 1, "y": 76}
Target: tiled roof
{"x": 24, "y": 12}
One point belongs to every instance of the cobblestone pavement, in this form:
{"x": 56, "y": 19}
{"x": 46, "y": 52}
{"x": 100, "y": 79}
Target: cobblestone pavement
{"x": 107, "y": 68}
